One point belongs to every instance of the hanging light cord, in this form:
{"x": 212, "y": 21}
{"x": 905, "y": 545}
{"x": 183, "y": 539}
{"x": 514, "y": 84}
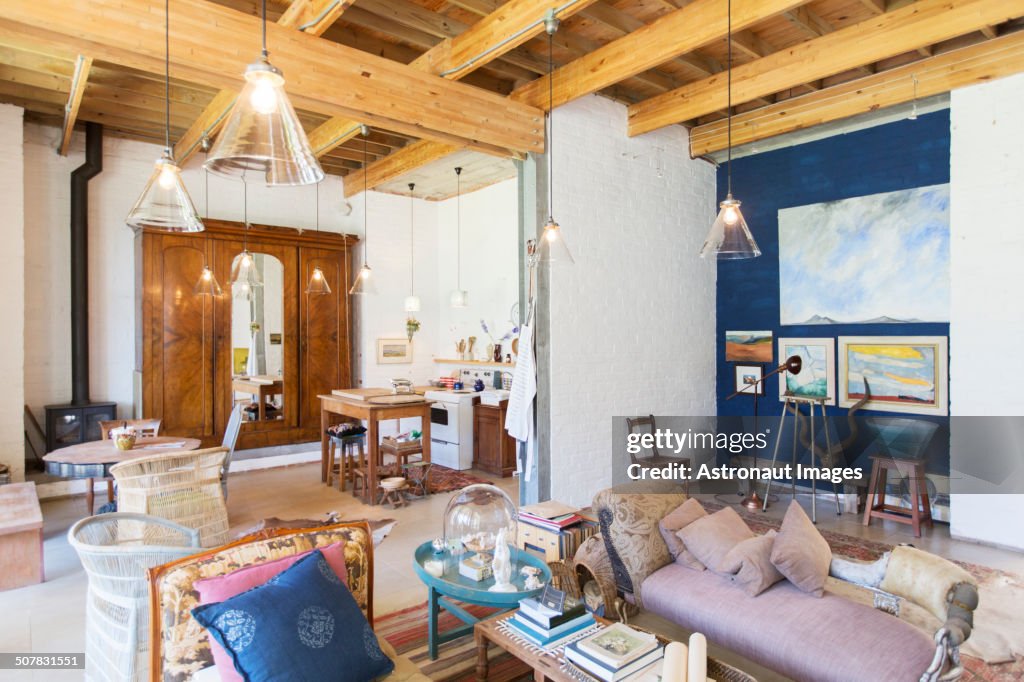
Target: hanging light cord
{"x": 366, "y": 196}
{"x": 551, "y": 125}
{"x": 317, "y": 185}
{"x": 728, "y": 109}
{"x": 412, "y": 245}
{"x": 167, "y": 75}
{"x": 265, "y": 53}
{"x": 245, "y": 213}
{"x": 458, "y": 227}
{"x": 206, "y": 193}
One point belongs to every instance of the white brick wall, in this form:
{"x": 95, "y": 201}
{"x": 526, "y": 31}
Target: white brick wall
{"x": 633, "y": 322}
{"x": 12, "y": 284}
{"x": 987, "y": 318}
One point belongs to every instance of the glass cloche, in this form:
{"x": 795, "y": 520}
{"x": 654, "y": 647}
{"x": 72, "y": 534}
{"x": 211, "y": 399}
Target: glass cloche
{"x": 475, "y": 515}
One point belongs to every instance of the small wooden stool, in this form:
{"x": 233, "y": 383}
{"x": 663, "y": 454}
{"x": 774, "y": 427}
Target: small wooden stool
{"x": 21, "y": 536}
{"x": 353, "y": 453}
{"x": 392, "y": 490}
{"x": 401, "y": 450}
{"x": 920, "y": 506}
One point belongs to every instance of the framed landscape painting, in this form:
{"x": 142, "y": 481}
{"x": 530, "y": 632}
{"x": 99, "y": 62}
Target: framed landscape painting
{"x": 898, "y": 373}
{"x": 753, "y": 346}
{"x": 817, "y": 377}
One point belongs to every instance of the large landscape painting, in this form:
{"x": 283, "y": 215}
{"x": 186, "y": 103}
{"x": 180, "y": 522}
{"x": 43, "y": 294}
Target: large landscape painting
{"x": 882, "y": 258}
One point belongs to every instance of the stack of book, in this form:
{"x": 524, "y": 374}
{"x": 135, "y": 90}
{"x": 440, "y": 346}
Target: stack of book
{"x": 550, "y": 515}
{"x": 615, "y": 653}
{"x": 548, "y": 628}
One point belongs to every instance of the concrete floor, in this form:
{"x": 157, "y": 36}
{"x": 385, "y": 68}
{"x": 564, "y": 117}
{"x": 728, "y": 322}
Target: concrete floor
{"x": 50, "y": 618}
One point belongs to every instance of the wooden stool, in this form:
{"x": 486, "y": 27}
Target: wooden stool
{"x": 418, "y": 474}
{"x": 392, "y": 490}
{"x": 21, "y": 536}
{"x": 352, "y": 455}
{"x": 920, "y": 506}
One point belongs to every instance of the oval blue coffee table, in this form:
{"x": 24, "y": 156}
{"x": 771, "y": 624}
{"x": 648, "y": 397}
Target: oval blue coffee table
{"x": 452, "y": 585}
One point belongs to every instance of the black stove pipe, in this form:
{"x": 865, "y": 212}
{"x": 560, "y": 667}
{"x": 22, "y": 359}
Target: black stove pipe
{"x": 80, "y": 178}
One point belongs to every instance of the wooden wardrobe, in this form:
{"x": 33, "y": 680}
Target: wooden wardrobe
{"x": 183, "y": 340}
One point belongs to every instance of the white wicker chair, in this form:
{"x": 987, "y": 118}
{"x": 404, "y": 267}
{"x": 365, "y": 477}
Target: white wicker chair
{"x": 117, "y": 550}
{"x": 182, "y": 487}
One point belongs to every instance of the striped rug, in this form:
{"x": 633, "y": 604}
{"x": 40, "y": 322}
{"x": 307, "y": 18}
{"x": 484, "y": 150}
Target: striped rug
{"x": 406, "y": 630}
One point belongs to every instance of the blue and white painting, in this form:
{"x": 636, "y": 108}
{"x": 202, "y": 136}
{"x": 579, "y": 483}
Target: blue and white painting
{"x": 882, "y": 258}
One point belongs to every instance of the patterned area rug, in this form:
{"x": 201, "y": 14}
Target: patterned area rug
{"x": 406, "y": 630}
{"x": 994, "y": 585}
{"x": 445, "y": 480}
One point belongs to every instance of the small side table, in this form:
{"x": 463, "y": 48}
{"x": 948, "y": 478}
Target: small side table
{"x": 920, "y": 506}
{"x": 21, "y": 536}
{"x": 451, "y": 585}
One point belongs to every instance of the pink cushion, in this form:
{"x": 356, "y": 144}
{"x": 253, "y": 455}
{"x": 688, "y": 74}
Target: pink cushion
{"x": 676, "y": 520}
{"x": 800, "y": 552}
{"x": 221, "y": 587}
{"x": 750, "y": 564}
{"x": 710, "y": 538}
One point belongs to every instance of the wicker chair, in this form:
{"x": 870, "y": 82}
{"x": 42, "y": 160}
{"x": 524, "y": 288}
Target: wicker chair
{"x": 117, "y": 550}
{"x": 183, "y": 487}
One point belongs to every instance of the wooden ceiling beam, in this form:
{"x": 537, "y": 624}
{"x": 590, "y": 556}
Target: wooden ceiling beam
{"x": 78, "y": 80}
{"x": 977, "y": 63}
{"x": 311, "y": 16}
{"x": 679, "y": 32}
{"x": 923, "y": 23}
{"x": 397, "y": 164}
{"x": 323, "y": 76}
{"x": 456, "y": 57}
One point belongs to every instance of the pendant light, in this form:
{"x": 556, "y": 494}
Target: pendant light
{"x": 553, "y": 248}
{"x": 460, "y": 297}
{"x": 262, "y": 132}
{"x": 317, "y": 281}
{"x": 730, "y": 238}
{"x": 364, "y": 278}
{"x": 245, "y": 276}
{"x": 207, "y": 285}
{"x": 412, "y": 301}
{"x": 165, "y": 203}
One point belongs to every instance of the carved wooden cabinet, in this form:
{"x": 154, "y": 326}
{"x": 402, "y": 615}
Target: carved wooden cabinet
{"x": 494, "y": 450}
{"x": 184, "y": 353}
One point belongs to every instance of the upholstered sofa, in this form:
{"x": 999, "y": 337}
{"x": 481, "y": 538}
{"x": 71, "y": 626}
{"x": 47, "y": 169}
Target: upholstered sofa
{"x": 180, "y": 649}
{"x": 844, "y": 636}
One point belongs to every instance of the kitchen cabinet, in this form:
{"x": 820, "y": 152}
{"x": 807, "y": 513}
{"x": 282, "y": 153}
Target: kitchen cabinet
{"x": 494, "y": 450}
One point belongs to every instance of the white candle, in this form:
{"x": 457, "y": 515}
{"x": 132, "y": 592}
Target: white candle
{"x": 697, "y": 668}
{"x": 674, "y": 668}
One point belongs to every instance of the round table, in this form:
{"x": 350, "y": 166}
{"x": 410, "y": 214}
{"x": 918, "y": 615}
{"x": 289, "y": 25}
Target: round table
{"x": 93, "y": 460}
{"x": 453, "y": 585}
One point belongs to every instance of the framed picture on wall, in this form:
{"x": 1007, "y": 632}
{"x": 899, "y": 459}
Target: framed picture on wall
{"x": 896, "y": 373}
{"x": 817, "y": 377}
{"x": 748, "y": 346}
{"x": 747, "y": 377}
{"x": 394, "y": 351}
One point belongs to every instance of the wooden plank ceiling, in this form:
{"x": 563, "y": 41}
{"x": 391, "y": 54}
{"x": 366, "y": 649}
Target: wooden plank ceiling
{"x": 796, "y": 64}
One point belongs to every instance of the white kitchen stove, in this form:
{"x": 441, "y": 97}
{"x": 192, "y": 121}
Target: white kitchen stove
{"x": 451, "y": 428}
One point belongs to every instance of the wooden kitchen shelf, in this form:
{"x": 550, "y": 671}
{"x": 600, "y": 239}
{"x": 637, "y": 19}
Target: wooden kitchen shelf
{"x": 475, "y": 363}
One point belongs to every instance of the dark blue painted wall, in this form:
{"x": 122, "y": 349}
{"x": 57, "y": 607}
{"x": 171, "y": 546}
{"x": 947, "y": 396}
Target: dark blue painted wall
{"x": 896, "y": 156}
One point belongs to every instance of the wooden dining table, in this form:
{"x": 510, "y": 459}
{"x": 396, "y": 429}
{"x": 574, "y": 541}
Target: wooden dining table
{"x": 333, "y": 406}
{"x": 94, "y": 459}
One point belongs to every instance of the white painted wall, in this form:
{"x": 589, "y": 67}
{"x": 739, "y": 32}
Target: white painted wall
{"x": 490, "y": 267}
{"x": 126, "y": 165}
{"x": 987, "y": 319}
{"x": 633, "y": 322}
{"x": 12, "y": 284}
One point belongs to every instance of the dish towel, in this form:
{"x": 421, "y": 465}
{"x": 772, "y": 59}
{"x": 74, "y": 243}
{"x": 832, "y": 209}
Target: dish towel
{"x": 519, "y": 417}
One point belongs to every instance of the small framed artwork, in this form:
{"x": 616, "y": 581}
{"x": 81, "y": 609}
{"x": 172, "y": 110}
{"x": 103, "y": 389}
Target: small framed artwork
{"x": 394, "y": 351}
{"x": 275, "y": 339}
{"x": 239, "y": 358}
{"x": 753, "y": 346}
{"x": 817, "y": 377}
{"x": 747, "y": 377}
{"x": 906, "y": 374}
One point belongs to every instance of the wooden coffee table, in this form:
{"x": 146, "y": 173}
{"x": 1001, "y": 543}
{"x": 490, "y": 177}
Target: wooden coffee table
{"x": 550, "y": 666}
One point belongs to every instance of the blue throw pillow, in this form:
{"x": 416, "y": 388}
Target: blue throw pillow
{"x": 302, "y": 624}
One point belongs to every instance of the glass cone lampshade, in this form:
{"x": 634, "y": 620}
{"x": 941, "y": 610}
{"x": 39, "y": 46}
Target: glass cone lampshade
{"x": 364, "y": 282}
{"x": 730, "y": 238}
{"x": 460, "y": 298}
{"x": 412, "y": 304}
{"x": 552, "y": 247}
{"x": 244, "y": 270}
{"x": 263, "y": 134}
{"x": 318, "y": 283}
{"x": 165, "y": 203}
{"x": 207, "y": 283}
